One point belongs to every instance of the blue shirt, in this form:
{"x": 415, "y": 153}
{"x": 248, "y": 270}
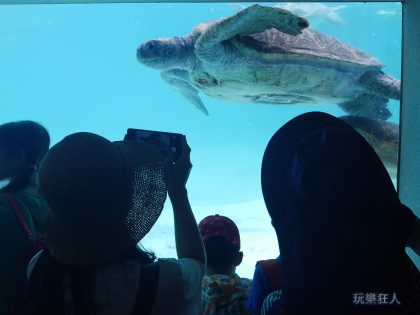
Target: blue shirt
{"x": 261, "y": 287}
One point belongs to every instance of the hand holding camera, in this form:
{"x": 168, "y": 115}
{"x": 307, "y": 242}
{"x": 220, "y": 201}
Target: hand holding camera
{"x": 178, "y": 173}
{"x": 174, "y": 148}
{"x": 176, "y": 151}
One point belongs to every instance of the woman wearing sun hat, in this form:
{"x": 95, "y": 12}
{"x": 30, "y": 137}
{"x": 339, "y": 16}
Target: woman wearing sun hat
{"x": 341, "y": 228}
{"x": 104, "y": 198}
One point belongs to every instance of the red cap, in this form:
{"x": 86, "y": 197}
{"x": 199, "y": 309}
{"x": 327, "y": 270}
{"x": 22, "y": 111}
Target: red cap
{"x": 218, "y": 225}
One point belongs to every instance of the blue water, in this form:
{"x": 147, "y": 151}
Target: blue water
{"x": 74, "y": 68}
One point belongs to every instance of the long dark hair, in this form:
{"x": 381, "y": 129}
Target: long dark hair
{"x": 46, "y": 285}
{"x": 30, "y": 137}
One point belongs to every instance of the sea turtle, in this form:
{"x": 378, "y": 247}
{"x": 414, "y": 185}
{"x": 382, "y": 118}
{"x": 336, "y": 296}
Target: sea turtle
{"x": 382, "y": 135}
{"x": 266, "y": 55}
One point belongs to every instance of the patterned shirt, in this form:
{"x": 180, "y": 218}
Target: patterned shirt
{"x": 224, "y": 294}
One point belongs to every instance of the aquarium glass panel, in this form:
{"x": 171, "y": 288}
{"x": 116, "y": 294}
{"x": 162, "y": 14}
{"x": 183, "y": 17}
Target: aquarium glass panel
{"x": 75, "y": 68}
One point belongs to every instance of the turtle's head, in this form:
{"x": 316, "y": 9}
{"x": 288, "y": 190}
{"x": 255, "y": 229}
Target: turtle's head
{"x": 167, "y": 53}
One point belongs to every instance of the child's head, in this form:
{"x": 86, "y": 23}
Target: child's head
{"x": 222, "y": 242}
{"x": 23, "y": 145}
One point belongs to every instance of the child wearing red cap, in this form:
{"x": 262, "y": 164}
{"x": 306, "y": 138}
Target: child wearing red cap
{"x": 224, "y": 292}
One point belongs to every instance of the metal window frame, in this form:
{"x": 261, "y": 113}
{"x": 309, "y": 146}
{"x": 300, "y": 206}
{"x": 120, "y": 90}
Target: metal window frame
{"x": 167, "y": 1}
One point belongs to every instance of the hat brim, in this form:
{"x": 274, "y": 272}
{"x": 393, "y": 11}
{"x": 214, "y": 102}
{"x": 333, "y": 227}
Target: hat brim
{"x": 126, "y": 211}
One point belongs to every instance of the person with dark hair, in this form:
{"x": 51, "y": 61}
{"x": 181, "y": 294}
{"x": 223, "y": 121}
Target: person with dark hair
{"x": 23, "y": 144}
{"x": 341, "y": 227}
{"x": 104, "y": 198}
{"x": 224, "y": 292}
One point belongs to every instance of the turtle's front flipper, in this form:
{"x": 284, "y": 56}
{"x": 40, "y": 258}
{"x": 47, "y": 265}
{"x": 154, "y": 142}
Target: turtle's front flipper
{"x": 179, "y": 80}
{"x": 367, "y": 105}
{"x": 252, "y": 20}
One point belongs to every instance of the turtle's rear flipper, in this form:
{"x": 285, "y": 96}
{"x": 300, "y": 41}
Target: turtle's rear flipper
{"x": 381, "y": 84}
{"x": 179, "y": 80}
{"x": 367, "y": 105}
{"x": 383, "y": 136}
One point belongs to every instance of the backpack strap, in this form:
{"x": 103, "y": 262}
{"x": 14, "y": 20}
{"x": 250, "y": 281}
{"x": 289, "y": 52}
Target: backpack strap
{"x": 272, "y": 269}
{"x": 149, "y": 279}
{"x": 19, "y": 212}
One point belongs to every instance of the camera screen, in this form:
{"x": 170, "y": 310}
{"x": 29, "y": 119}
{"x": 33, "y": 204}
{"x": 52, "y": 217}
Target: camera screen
{"x": 168, "y": 144}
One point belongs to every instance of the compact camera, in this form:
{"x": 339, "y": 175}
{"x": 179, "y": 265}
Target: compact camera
{"x": 167, "y": 143}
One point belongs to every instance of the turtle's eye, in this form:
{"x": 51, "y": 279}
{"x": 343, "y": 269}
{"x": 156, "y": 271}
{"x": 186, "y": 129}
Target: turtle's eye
{"x": 151, "y": 45}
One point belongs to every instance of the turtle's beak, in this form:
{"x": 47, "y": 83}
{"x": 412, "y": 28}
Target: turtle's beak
{"x": 166, "y": 53}
{"x": 156, "y": 53}
{"x": 147, "y": 51}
